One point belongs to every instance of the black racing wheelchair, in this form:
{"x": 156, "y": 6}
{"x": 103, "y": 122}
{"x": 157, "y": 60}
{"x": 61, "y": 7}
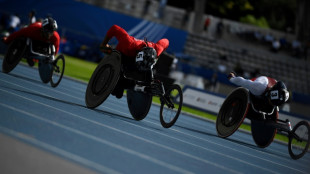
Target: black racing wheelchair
{"x": 50, "y": 69}
{"x": 113, "y": 71}
{"x": 241, "y": 104}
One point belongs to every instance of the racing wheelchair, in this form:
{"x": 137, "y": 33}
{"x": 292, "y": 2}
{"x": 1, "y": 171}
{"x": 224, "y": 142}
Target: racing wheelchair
{"x": 50, "y": 69}
{"x": 241, "y": 104}
{"x": 113, "y": 69}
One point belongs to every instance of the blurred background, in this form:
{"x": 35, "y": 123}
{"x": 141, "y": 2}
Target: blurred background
{"x": 208, "y": 38}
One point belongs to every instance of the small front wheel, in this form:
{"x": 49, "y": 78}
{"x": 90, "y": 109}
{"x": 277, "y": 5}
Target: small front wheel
{"x": 171, "y": 105}
{"x": 299, "y": 139}
{"x": 58, "y": 70}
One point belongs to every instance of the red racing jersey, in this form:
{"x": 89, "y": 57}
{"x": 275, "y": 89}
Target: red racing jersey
{"x": 130, "y": 46}
{"x": 33, "y": 31}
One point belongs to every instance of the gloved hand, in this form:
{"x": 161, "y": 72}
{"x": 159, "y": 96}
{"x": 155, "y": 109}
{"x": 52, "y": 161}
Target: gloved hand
{"x": 106, "y": 49}
{"x": 4, "y": 39}
{"x": 231, "y": 75}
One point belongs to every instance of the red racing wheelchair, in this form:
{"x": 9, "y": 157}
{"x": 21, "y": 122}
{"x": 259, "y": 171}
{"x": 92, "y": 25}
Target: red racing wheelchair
{"x": 241, "y": 104}
{"x": 140, "y": 91}
{"x": 50, "y": 69}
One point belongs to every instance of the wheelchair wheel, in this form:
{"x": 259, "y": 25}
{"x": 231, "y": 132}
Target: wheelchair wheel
{"x": 232, "y": 112}
{"x": 170, "y": 108}
{"x": 58, "y": 70}
{"x": 139, "y": 104}
{"x": 45, "y": 70}
{"x": 14, "y": 54}
{"x": 263, "y": 133}
{"x": 299, "y": 140}
{"x": 103, "y": 80}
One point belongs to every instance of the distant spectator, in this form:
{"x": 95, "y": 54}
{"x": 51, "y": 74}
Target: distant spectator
{"x": 161, "y": 9}
{"x": 275, "y": 45}
{"x": 238, "y": 69}
{"x": 185, "y": 17}
{"x": 268, "y": 38}
{"x": 258, "y": 35}
{"x": 14, "y": 23}
{"x": 296, "y": 48}
{"x": 219, "y": 28}
{"x": 146, "y": 7}
{"x": 221, "y": 66}
{"x": 213, "y": 82}
{"x": 207, "y": 24}
{"x": 32, "y": 17}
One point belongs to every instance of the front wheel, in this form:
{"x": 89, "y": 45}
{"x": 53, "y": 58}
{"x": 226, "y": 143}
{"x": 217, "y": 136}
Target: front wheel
{"x": 299, "y": 139}
{"x": 171, "y": 105}
{"x": 58, "y": 70}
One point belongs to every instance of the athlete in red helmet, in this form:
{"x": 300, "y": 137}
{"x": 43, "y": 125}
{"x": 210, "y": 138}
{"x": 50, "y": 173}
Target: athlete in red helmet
{"x": 44, "y": 31}
{"x": 140, "y": 53}
{"x": 128, "y": 45}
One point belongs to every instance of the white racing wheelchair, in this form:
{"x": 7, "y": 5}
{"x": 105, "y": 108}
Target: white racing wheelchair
{"x": 241, "y": 104}
{"x": 113, "y": 69}
{"x": 50, "y": 69}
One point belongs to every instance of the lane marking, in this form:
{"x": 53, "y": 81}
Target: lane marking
{"x": 59, "y": 151}
{"x": 100, "y": 140}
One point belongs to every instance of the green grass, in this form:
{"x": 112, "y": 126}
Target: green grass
{"x": 82, "y": 70}
{"x": 79, "y": 69}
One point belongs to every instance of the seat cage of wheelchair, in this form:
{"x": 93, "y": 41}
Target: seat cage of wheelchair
{"x": 40, "y": 50}
{"x": 283, "y": 125}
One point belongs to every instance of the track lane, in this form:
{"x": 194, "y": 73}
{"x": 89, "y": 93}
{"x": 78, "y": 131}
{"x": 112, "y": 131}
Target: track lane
{"x": 191, "y": 145}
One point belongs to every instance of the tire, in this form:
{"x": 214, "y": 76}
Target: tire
{"x": 45, "y": 70}
{"x": 14, "y": 54}
{"x": 232, "y": 113}
{"x": 139, "y": 104}
{"x": 297, "y": 149}
{"x": 262, "y": 133}
{"x": 58, "y": 70}
{"x": 170, "y": 114}
{"x": 103, "y": 80}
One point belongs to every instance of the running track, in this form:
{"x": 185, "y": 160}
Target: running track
{"x": 66, "y": 137}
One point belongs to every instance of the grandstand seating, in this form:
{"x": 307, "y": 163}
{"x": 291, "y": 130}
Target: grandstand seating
{"x": 294, "y": 72}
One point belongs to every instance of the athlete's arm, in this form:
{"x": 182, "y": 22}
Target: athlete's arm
{"x": 255, "y": 87}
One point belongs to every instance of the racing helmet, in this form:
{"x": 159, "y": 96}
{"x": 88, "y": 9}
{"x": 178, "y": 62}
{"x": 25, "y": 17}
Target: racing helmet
{"x": 146, "y": 58}
{"x": 49, "y": 25}
{"x": 278, "y": 94}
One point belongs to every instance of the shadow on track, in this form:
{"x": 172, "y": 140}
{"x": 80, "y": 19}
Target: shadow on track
{"x": 197, "y": 131}
{"x": 26, "y": 78}
{"x": 252, "y": 146}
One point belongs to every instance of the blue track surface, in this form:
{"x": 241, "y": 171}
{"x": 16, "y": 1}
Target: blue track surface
{"x": 108, "y": 140}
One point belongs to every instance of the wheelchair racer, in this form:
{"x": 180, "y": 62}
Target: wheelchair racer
{"x": 44, "y": 31}
{"x": 139, "y": 54}
{"x": 275, "y": 92}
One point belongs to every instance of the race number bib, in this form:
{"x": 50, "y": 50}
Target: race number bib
{"x": 139, "y": 57}
{"x": 274, "y": 95}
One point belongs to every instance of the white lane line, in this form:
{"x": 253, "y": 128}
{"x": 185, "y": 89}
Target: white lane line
{"x": 212, "y": 143}
{"x": 107, "y": 108}
{"x": 59, "y": 151}
{"x": 287, "y": 160}
{"x": 132, "y": 135}
{"x": 108, "y": 143}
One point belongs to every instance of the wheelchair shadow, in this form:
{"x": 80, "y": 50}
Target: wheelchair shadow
{"x": 45, "y": 96}
{"x": 196, "y": 131}
{"x": 252, "y": 146}
{"x": 26, "y": 78}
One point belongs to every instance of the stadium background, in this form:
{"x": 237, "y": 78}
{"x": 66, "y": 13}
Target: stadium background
{"x": 85, "y": 25}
